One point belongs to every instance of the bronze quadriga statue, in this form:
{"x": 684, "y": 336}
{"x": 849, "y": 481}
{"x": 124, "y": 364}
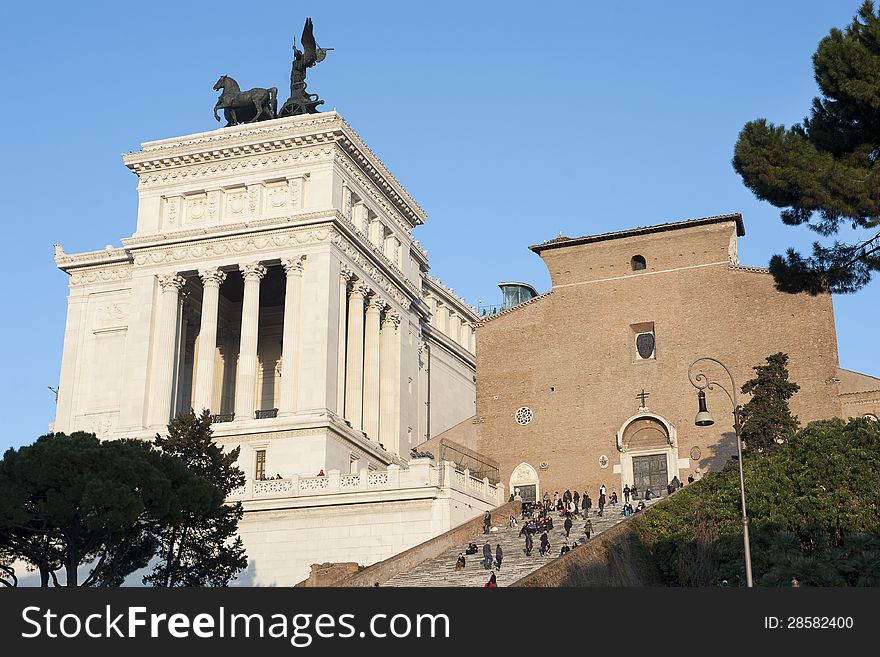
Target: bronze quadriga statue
{"x": 261, "y": 104}
{"x": 244, "y": 106}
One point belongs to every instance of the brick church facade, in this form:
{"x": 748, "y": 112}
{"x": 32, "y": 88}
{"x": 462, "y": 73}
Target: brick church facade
{"x": 560, "y": 377}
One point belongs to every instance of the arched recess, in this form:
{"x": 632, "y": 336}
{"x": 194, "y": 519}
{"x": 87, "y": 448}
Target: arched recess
{"x": 646, "y": 439}
{"x": 524, "y": 480}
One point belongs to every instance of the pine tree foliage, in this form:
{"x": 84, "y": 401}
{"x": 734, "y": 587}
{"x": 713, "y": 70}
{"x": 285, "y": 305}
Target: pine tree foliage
{"x": 203, "y": 548}
{"x": 812, "y": 509}
{"x": 824, "y": 173}
{"x": 74, "y": 502}
{"x": 767, "y": 419}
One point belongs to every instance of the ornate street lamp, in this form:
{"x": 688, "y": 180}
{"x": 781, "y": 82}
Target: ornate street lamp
{"x": 704, "y": 419}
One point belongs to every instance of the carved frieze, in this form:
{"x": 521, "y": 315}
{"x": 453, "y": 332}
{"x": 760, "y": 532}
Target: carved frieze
{"x": 232, "y": 246}
{"x": 101, "y": 275}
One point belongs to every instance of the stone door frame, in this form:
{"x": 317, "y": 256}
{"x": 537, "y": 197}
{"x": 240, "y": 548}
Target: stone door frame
{"x": 516, "y": 481}
{"x": 625, "y": 468}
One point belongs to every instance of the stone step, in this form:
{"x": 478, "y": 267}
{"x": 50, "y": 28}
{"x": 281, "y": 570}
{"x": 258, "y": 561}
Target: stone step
{"x": 440, "y": 571}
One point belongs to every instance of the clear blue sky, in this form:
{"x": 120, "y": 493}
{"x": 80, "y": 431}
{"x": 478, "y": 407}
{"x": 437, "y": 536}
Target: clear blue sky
{"x": 508, "y": 122}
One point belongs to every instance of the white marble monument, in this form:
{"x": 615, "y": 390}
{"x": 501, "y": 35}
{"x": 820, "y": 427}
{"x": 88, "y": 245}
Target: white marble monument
{"x": 274, "y": 280}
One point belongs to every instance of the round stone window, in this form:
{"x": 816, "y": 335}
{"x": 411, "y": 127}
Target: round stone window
{"x": 523, "y": 415}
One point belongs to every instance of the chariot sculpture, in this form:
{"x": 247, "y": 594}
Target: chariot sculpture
{"x": 260, "y": 104}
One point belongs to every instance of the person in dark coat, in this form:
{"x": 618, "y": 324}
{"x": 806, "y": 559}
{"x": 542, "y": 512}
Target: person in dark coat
{"x": 545, "y": 544}
{"x": 588, "y": 528}
{"x": 626, "y": 494}
{"x": 567, "y": 524}
{"x": 499, "y": 555}
{"x": 492, "y": 583}
{"x": 530, "y": 542}
{"x": 487, "y": 556}
{"x": 487, "y": 522}
{"x": 586, "y": 503}
{"x": 564, "y": 549}
{"x": 601, "y": 504}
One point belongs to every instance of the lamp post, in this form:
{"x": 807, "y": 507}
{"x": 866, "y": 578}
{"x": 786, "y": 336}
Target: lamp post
{"x": 704, "y": 419}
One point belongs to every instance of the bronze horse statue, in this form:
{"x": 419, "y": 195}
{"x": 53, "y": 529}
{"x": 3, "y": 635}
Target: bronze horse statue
{"x": 244, "y": 106}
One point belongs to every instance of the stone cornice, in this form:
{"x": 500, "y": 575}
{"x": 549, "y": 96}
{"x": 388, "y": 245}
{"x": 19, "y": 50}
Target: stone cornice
{"x": 231, "y": 163}
{"x": 448, "y": 296}
{"x": 365, "y": 245}
{"x": 227, "y": 145}
{"x": 507, "y": 311}
{"x": 753, "y": 270}
{"x": 396, "y": 286}
{"x": 108, "y": 256}
{"x": 435, "y": 335}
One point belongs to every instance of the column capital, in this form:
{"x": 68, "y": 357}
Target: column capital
{"x": 252, "y": 270}
{"x": 377, "y": 303}
{"x": 345, "y": 273}
{"x": 171, "y": 282}
{"x": 294, "y": 266}
{"x": 361, "y": 289}
{"x": 391, "y": 319}
{"x": 212, "y": 277}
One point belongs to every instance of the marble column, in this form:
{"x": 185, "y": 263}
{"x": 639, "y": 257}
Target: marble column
{"x": 166, "y": 337}
{"x": 293, "y": 268}
{"x": 204, "y": 393}
{"x": 354, "y": 360}
{"x": 371, "y": 367}
{"x": 389, "y": 386}
{"x": 345, "y": 276}
{"x": 246, "y": 375}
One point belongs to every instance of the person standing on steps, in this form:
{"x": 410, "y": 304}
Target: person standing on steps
{"x": 588, "y": 528}
{"x": 487, "y": 522}
{"x": 586, "y": 504}
{"x": 529, "y": 544}
{"x": 567, "y": 524}
{"x": 626, "y": 494}
{"x": 487, "y": 556}
{"x": 545, "y": 544}
{"x": 499, "y": 555}
{"x": 576, "y": 498}
{"x": 602, "y": 503}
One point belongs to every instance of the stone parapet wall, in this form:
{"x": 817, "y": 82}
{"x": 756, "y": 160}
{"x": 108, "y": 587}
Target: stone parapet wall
{"x": 420, "y": 474}
{"x": 405, "y": 561}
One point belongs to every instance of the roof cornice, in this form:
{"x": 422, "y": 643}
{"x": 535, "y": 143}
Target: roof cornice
{"x": 273, "y": 136}
{"x": 563, "y": 242}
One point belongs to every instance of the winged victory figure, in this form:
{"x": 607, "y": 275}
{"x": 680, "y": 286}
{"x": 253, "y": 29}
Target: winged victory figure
{"x": 300, "y": 101}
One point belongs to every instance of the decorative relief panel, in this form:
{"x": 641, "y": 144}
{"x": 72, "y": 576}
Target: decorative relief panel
{"x": 171, "y": 212}
{"x": 98, "y": 424}
{"x": 277, "y": 197}
{"x": 235, "y": 204}
{"x": 111, "y": 314}
{"x": 196, "y": 208}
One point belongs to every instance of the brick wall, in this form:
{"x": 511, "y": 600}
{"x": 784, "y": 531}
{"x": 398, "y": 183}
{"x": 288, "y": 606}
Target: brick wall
{"x": 571, "y": 358}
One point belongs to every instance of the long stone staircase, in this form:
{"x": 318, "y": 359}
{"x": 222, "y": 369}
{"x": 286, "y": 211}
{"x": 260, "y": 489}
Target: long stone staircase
{"x": 515, "y": 565}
